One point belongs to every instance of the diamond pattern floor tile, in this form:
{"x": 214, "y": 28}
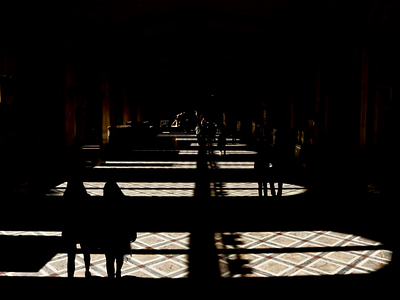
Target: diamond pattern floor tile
{"x": 240, "y": 254}
{"x": 138, "y": 265}
{"x": 240, "y": 264}
{"x": 180, "y": 189}
{"x": 296, "y": 263}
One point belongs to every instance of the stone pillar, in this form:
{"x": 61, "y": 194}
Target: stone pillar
{"x": 126, "y": 109}
{"x": 105, "y": 88}
{"x": 70, "y": 97}
{"x": 139, "y": 115}
{"x": 364, "y": 99}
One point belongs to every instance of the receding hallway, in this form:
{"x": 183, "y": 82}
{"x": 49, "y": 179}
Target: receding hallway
{"x": 280, "y": 243}
{"x": 189, "y": 110}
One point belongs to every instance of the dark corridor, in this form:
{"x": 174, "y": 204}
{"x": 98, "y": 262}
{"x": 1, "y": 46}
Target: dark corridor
{"x": 89, "y": 91}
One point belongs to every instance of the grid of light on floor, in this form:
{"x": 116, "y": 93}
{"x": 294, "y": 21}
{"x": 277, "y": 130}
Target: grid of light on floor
{"x": 271, "y": 254}
{"x": 240, "y": 254}
{"x": 148, "y": 165}
{"x": 182, "y": 189}
{"x": 231, "y": 164}
{"x": 136, "y": 189}
{"x": 250, "y": 189}
{"x": 146, "y": 265}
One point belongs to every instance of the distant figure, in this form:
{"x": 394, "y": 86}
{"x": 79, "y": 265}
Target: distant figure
{"x": 222, "y": 141}
{"x": 117, "y": 233}
{"x": 281, "y": 156}
{"x": 198, "y": 131}
{"x": 263, "y": 171}
{"x": 234, "y": 132}
{"x": 210, "y": 133}
{"x": 308, "y": 158}
{"x": 237, "y": 132}
{"x": 75, "y": 232}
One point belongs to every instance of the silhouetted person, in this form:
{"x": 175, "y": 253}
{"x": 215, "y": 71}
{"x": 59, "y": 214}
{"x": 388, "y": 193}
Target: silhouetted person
{"x": 234, "y": 132}
{"x": 202, "y": 182}
{"x": 307, "y": 154}
{"x": 222, "y": 141}
{"x": 281, "y": 156}
{"x": 308, "y": 158}
{"x": 199, "y": 133}
{"x": 75, "y": 232}
{"x": 263, "y": 171}
{"x": 117, "y": 233}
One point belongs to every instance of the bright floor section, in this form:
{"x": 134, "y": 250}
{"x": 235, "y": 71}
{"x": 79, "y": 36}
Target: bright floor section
{"x": 151, "y": 265}
{"x": 240, "y": 254}
{"x": 269, "y": 254}
{"x": 181, "y": 189}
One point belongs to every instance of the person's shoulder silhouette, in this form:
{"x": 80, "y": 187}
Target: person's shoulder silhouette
{"x": 75, "y": 188}
{"x": 111, "y": 189}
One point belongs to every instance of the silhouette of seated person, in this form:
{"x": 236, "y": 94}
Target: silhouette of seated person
{"x": 77, "y": 230}
{"x": 117, "y": 233}
{"x": 263, "y": 170}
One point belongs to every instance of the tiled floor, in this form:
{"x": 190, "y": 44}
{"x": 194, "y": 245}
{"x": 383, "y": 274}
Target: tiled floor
{"x": 148, "y": 165}
{"x": 265, "y": 257}
{"x": 185, "y": 189}
{"x": 241, "y": 254}
{"x": 136, "y": 189}
{"x": 181, "y": 189}
{"x": 150, "y": 265}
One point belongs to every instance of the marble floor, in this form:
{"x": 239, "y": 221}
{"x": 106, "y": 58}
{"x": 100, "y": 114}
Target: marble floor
{"x": 181, "y": 189}
{"x": 268, "y": 254}
{"x": 240, "y": 254}
{"x": 185, "y": 189}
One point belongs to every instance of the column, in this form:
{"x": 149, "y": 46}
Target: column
{"x": 364, "y": 98}
{"x": 126, "y": 109}
{"x": 105, "y": 88}
{"x": 70, "y": 96}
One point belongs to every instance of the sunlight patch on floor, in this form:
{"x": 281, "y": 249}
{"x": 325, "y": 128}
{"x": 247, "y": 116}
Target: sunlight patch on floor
{"x": 271, "y": 254}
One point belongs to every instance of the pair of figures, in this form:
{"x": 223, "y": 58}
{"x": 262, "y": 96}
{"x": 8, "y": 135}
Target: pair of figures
{"x": 269, "y": 168}
{"x": 112, "y": 236}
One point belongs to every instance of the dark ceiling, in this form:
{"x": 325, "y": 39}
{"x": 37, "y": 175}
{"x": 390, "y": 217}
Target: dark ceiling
{"x": 204, "y": 45}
